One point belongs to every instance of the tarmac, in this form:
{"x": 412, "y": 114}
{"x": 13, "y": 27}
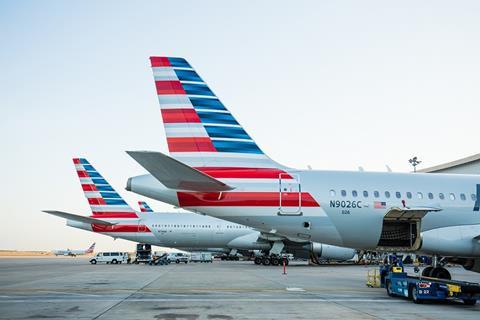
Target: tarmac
{"x": 71, "y": 288}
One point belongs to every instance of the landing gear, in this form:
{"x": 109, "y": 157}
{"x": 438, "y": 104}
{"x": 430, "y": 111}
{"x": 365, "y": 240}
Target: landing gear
{"x": 266, "y": 261}
{"x": 440, "y": 273}
{"x": 437, "y": 270}
{"x": 270, "y": 260}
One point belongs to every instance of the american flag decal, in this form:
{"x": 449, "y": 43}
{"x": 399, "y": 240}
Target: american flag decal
{"x": 379, "y": 204}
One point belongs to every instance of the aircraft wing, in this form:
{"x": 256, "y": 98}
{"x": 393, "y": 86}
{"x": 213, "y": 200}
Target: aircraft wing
{"x": 71, "y": 216}
{"x": 175, "y": 174}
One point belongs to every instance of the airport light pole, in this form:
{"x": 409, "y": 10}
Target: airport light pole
{"x": 414, "y": 162}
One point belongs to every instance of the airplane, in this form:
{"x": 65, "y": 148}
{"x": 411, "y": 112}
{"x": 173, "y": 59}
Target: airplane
{"x": 74, "y": 253}
{"x": 187, "y": 231}
{"x": 216, "y": 168}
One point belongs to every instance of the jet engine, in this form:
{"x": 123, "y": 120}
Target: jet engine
{"x": 457, "y": 241}
{"x": 318, "y": 251}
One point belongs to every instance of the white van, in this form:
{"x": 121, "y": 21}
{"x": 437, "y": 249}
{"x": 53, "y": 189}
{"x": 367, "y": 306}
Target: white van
{"x": 111, "y": 257}
{"x": 178, "y": 257}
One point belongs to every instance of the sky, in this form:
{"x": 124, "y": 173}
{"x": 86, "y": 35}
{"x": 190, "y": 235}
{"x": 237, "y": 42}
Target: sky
{"x": 327, "y": 84}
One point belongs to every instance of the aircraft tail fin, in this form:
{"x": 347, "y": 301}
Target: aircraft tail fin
{"x": 91, "y": 248}
{"x": 104, "y": 201}
{"x": 144, "y": 207}
{"x": 200, "y": 130}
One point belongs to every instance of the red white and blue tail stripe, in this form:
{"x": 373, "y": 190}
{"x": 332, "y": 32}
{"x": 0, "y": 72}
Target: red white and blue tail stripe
{"x": 144, "y": 207}
{"x": 91, "y": 248}
{"x": 200, "y": 130}
{"x": 104, "y": 201}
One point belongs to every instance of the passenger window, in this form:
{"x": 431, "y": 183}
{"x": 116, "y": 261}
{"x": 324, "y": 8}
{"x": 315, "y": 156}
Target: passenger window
{"x": 398, "y": 195}
{"x": 376, "y": 194}
{"x": 420, "y": 195}
{"x": 452, "y": 196}
{"x": 441, "y": 196}
{"x": 387, "y": 194}
{"x": 344, "y": 193}
{"x": 409, "y": 195}
{"x": 430, "y": 195}
{"x": 354, "y": 193}
{"x": 463, "y": 197}
{"x": 365, "y": 194}
{"x": 332, "y": 193}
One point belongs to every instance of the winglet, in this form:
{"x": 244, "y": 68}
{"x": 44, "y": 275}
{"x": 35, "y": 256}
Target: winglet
{"x": 175, "y": 174}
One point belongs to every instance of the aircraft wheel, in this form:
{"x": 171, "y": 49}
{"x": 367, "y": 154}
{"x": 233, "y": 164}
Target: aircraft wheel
{"x": 426, "y": 272}
{"x": 266, "y": 261}
{"x": 440, "y": 273}
{"x": 258, "y": 260}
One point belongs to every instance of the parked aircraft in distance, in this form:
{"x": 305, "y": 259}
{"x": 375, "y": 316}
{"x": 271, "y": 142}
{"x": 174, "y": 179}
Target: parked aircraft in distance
{"x": 216, "y": 168}
{"x": 112, "y": 216}
{"x": 74, "y": 253}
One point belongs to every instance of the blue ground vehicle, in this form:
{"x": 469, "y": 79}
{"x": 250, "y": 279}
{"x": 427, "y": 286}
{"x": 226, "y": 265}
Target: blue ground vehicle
{"x": 399, "y": 283}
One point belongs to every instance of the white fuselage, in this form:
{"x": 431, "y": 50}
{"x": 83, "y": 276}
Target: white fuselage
{"x": 68, "y": 252}
{"x": 186, "y": 231}
{"x": 341, "y": 213}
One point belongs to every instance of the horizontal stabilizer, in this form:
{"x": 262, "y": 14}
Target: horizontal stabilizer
{"x": 71, "y": 216}
{"x": 176, "y": 175}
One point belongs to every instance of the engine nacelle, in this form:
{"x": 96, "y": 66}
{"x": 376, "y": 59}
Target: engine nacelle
{"x": 328, "y": 252}
{"x": 457, "y": 241}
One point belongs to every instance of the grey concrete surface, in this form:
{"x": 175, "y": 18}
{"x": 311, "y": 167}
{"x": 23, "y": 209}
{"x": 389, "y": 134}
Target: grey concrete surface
{"x": 58, "y": 288}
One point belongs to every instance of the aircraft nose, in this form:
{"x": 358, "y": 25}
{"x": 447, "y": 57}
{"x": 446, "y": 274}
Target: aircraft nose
{"x": 129, "y": 185}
